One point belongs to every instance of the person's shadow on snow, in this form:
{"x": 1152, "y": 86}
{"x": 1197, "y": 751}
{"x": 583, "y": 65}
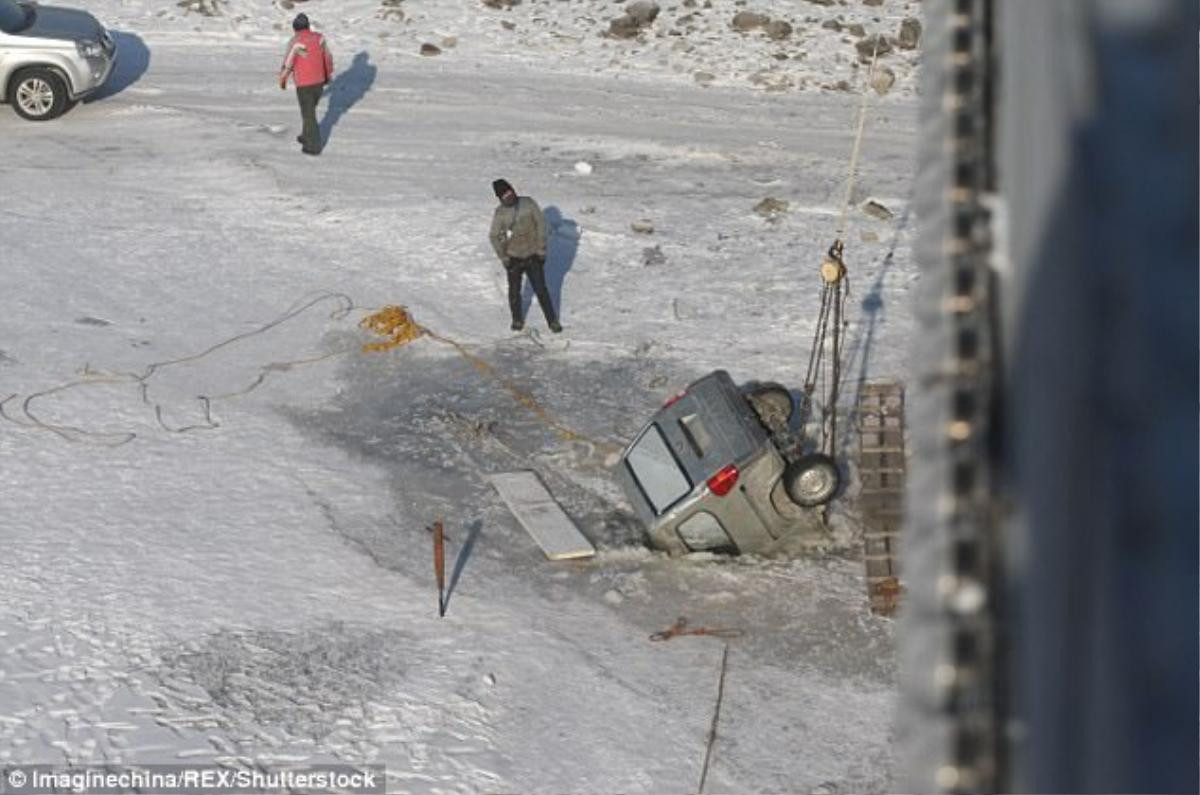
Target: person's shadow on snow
{"x": 345, "y": 91}
{"x": 562, "y": 242}
{"x": 133, "y": 59}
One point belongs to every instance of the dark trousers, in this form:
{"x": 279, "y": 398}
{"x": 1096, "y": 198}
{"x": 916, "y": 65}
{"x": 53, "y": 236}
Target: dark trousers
{"x": 309, "y": 96}
{"x": 534, "y": 268}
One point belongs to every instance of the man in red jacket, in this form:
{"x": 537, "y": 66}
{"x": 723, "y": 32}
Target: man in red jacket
{"x": 310, "y": 64}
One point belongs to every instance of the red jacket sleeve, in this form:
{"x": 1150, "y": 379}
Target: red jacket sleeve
{"x": 328, "y": 60}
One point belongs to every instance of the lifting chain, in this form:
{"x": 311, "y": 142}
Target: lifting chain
{"x": 835, "y": 290}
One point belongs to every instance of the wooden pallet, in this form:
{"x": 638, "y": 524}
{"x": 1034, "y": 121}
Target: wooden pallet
{"x": 881, "y": 468}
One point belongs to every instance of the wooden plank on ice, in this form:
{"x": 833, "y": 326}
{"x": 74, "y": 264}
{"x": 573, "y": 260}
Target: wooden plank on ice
{"x": 541, "y": 516}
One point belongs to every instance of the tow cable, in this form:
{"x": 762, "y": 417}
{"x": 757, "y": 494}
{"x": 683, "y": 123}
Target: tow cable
{"x": 835, "y": 290}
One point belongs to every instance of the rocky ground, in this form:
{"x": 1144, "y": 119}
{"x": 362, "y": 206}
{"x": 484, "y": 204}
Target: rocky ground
{"x": 793, "y": 45}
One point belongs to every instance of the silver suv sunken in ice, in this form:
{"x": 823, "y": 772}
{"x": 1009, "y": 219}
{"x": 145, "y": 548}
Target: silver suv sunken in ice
{"x": 718, "y": 468}
{"x": 50, "y": 57}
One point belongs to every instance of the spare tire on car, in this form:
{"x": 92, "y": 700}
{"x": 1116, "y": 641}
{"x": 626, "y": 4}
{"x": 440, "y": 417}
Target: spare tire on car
{"x": 812, "y": 480}
{"x": 772, "y": 403}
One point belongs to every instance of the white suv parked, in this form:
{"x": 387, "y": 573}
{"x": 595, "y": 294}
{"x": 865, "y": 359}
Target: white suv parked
{"x": 50, "y": 57}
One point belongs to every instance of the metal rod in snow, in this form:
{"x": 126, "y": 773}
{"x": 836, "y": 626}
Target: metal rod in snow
{"x": 712, "y": 730}
{"x": 439, "y": 565}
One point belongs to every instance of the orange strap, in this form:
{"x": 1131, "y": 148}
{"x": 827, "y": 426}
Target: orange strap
{"x": 680, "y": 627}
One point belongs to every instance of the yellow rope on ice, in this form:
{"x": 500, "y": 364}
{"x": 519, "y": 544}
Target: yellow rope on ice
{"x": 395, "y": 323}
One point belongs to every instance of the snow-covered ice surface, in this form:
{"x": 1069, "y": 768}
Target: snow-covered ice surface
{"x": 213, "y": 528}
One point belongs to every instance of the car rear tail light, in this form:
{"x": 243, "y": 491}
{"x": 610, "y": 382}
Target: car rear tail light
{"x": 674, "y": 399}
{"x": 723, "y": 482}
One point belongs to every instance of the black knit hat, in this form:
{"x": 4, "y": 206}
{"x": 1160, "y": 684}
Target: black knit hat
{"x": 501, "y": 187}
{"x": 300, "y": 22}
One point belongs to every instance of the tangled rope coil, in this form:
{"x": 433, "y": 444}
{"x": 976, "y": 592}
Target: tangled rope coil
{"x": 27, "y": 418}
{"x": 393, "y": 322}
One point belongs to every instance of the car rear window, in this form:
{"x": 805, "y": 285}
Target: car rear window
{"x": 657, "y": 471}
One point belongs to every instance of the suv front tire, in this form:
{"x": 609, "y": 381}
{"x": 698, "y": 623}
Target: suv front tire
{"x": 38, "y": 94}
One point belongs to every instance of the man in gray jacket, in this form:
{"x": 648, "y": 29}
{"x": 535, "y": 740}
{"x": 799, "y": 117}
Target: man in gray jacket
{"x": 519, "y": 237}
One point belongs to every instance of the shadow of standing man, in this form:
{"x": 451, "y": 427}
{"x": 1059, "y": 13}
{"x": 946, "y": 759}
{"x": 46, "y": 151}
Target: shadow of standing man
{"x": 560, "y": 255}
{"x": 345, "y": 91}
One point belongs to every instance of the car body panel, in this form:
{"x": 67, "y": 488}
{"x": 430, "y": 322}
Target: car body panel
{"x": 50, "y": 42}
